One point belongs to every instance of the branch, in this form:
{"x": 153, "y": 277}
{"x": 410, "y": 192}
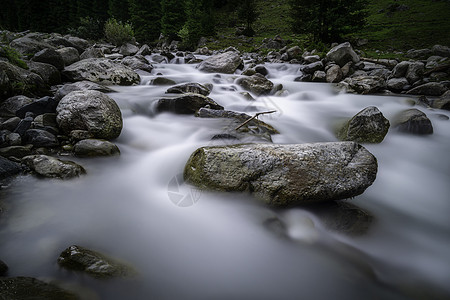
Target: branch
{"x": 254, "y": 117}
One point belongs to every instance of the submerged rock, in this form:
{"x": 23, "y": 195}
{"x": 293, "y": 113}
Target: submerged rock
{"x": 413, "y": 121}
{"x": 51, "y": 167}
{"x": 285, "y": 175}
{"x": 186, "y": 104}
{"x": 93, "y": 263}
{"x": 94, "y": 147}
{"x": 363, "y": 84}
{"x": 28, "y": 288}
{"x": 257, "y": 84}
{"x": 92, "y": 111}
{"x": 367, "y": 126}
{"x": 189, "y": 88}
{"x": 227, "y": 63}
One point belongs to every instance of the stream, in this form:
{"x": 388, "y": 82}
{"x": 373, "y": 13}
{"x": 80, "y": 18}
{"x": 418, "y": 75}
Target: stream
{"x": 392, "y": 242}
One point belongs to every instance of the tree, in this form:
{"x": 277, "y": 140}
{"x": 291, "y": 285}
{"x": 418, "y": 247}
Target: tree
{"x": 200, "y": 21}
{"x": 173, "y": 17}
{"x": 118, "y": 9}
{"x": 327, "y": 20}
{"x": 145, "y": 17}
{"x": 247, "y": 12}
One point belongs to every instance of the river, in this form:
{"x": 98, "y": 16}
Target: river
{"x": 189, "y": 244}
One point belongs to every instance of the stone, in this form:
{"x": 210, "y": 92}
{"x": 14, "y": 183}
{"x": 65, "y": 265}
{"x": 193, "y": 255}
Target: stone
{"x": 138, "y": 62}
{"x": 16, "y": 151}
{"x": 284, "y": 175}
{"x": 101, "y": 70}
{"x": 23, "y": 126}
{"x": 51, "y": 57}
{"x": 162, "y": 81}
{"x": 415, "y": 71}
{"x": 10, "y": 106}
{"x": 38, "y": 107}
{"x": 342, "y": 54}
{"x": 419, "y": 54}
{"x": 294, "y": 52}
{"x": 92, "y": 53}
{"x": 10, "y": 124}
{"x": 397, "y": 84}
{"x": 334, "y": 74}
{"x": 441, "y": 50}
{"x": 186, "y": 104}
{"x": 261, "y": 70}
{"x": 8, "y": 168}
{"x": 443, "y": 102}
{"x": 47, "y": 72}
{"x": 79, "y": 43}
{"x": 40, "y": 138}
{"x": 257, "y": 84}
{"x": 95, "y": 147}
{"x": 400, "y": 69}
{"x": 144, "y": 50}
{"x": 3, "y": 268}
{"x": 92, "y": 111}
{"x": 363, "y": 84}
{"x": 28, "y": 288}
{"x": 51, "y": 167}
{"x": 227, "y": 63}
{"x": 428, "y": 89}
{"x": 413, "y": 121}
{"x": 319, "y": 76}
{"x": 69, "y": 55}
{"x": 128, "y": 49}
{"x": 311, "y": 59}
{"x": 29, "y": 46}
{"x": 367, "y": 126}
{"x": 80, "y": 86}
{"x": 93, "y": 263}
{"x": 190, "y": 87}
{"x": 312, "y": 67}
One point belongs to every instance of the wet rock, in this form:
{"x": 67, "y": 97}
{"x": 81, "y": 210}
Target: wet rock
{"x": 443, "y": 102}
{"x": 69, "y": 55}
{"x": 397, "y": 84}
{"x": 191, "y": 87}
{"x": 144, "y": 50}
{"x": 128, "y": 49}
{"x": 101, "y": 70}
{"x": 186, "y": 104}
{"x": 11, "y": 105}
{"x": 29, "y": 46}
{"x": 3, "y": 268}
{"x": 94, "y": 147}
{"x": 47, "y": 72}
{"x": 334, "y": 74}
{"x": 312, "y": 67}
{"x": 93, "y": 263}
{"x": 16, "y": 151}
{"x": 23, "y": 126}
{"x": 38, "y": 107}
{"x": 363, "y": 84}
{"x": 162, "y": 81}
{"x": 80, "y": 86}
{"x": 10, "y": 124}
{"x": 27, "y": 288}
{"x": 367, "y": 126}
{"x": 261, "y": 70}
{"x": 428, "y": 89}
{"x": 78, "y": 135}
{"x": 92, "y": 53}
{"x": 51, "y": 167}
{"x": 284, "y": 175}
{"x": 92, "y": 111}
{"x": 51, "y": 57}
{"x": 8, "y": 168}
{"x": 40, "y": 138}
{"x": 413, "y": 121}
{"x": 319, "y": 76}
{"x": 227, "y": 63}
{"x": 257, "y": 84}
{"x": 342, "y": 54}
{"x": 138, "y": 62}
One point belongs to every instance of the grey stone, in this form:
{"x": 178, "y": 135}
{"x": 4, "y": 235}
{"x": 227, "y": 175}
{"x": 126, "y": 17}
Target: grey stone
{"x": 101, "y": 70}
{"x": 40, "y": 138}
{"x": 51, "y": 57}
{"x": 69, "y": 55}
{"x": 191, "y": 87}
{"x": 138, "y": 62}
{"x": 8, "y": 168}
{"x": 319, "y": 76}
{"x": 311, "y": 59}
{"x": 441, "y": 50}
{"x": 367, "y": 126}
{"x": 257, "y": 84}
{"x": 144, "y": 50}
{"x": 38, "y": 107}
{"x": 92, "y": 111}
{"x": 400, "y": 69}
{"x": 342, "y": 54}
{"x": 334, "y": 74}
{"x": 16, "y": 151}
{"x": 10, "y": 106}
{"x": 47, "y": 72}
{"x": 397, "y": 84}
{"x": 93, "y": 263}
{"x": 413, "y": 121}
{"x": 363, "y": 84}
{"x": 312, "y": 67}
{"x": 284, "y": 175}
{"x": 10, "y": 124}
{"x": 80, "y": 86}
{"x": 294, "y": 52}
{"x": 92, "y": 53}
{"x": 429, "y": 89}
{"x": 227, "y": 63}
{"x": 79, "y": 43}
{"x": 29, "y": 46}
{"x": 51, "y": 167}
{"x": 95, "y": 147}
{"x": 128, "y": 49}
{"x": 415, "y": 71}
{"x": 162, "y": 81}
{"x": 186, "y": 104}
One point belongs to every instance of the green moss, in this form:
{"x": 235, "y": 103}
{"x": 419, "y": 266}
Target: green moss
{"x": 13, "y": 56}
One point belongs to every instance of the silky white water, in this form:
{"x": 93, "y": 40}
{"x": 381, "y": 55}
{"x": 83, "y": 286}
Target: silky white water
{"x": 187, "y": 244}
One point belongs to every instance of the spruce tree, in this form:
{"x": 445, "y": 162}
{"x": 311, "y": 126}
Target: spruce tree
{"x": 145, "y": 17}
{"x": 247, "y": 13}
{"x": 327, "y": 20}
{"x": 118, "y": 9}
{"x": 173, "y": 16}
{"x": 200, "y": 21}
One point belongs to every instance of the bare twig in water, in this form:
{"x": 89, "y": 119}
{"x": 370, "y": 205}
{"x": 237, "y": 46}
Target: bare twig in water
{"x": 254, "y": 117}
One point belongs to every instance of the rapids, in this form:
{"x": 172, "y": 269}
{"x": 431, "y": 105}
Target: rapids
{"x": 188, "y": 244}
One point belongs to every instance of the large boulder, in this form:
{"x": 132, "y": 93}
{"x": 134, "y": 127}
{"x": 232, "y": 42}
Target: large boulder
{"x": 11, "y": 105}
{"x": 415, "y": 71}
{"x": 94, "y": 147}
{"x": 257, "y": 84}
{"x": 28, "y": 45}
{"x": 28, "y": 288}
{"x": 334, "y": 74}
{"x": 69, "y": 55}
{"x": 128, "y": 49}
{"x": 397, "y": 84}
{"x": 284, "y": 175}
{"x": 363, "y": 84}
{"x": 400, "y": 69}
{"x": 80, "y": 86}
{"x": 93, "y": 263}
{"x": 413, "y": 121}
{"x": 138, "y": 62}
{"x": 8, "y": 168}
{"x": 227, "y": 63}
{"x": 79, "y": 43}
{"x": 40, "y": 138}
{"x": 47, "y": 72}
{"x": 51, "y": 167}
{"x": 51, "y": 57}
{"x": 101, "y": 70}
{"x": 312, "y": 67}
{"x": 429, "y": 89}
{"x": 186, "y": 104}
{"x": 191, "y": 87}
{"x": 92, "y": 53}
{"x": 367, "y": 126}
{"x": 92, "y": 111}
{"x": 342, "y": 54}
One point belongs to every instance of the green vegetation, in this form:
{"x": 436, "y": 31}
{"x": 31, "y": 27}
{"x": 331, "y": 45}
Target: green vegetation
{"x": 13, "y": 56}
{"x": 118, "y": 33}
{"x": 173, "y": 17}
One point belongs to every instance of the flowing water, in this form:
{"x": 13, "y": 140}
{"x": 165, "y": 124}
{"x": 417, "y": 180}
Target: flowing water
{"x": 392, "y": 242}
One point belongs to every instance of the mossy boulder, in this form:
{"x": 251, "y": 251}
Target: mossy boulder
{"x": 51, "y": 167}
